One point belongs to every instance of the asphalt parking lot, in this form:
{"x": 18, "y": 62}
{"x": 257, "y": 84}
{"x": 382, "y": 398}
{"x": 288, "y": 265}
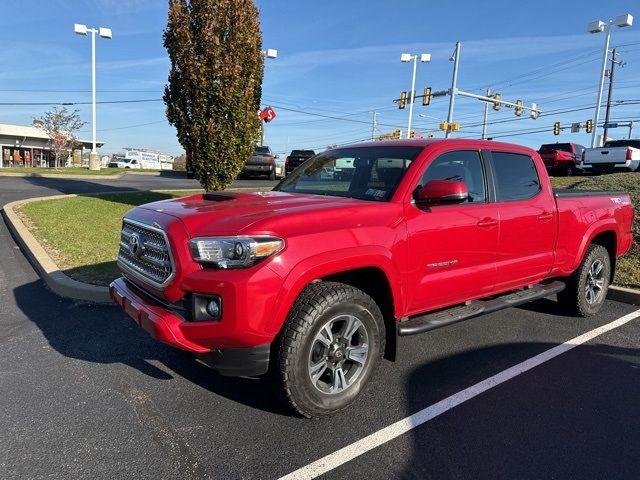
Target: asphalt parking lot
{"x": 86, "y": 394}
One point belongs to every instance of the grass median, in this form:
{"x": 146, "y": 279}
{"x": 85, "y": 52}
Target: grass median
{"x": 82, "y": 233}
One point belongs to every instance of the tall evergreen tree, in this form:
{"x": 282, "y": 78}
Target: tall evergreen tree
{"x": 215, "y": 84}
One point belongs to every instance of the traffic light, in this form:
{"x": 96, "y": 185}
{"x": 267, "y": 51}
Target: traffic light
{"x": 518, "y": 109}
{"x": 412, "y": 134}
{"x": 534, "y": 111}
{"x": 556, "y": 128}
{"x": 403, "y": 100}
{"x": 426, "y": 97}
{"x": 444, "y": 126}
{"x": 496, "y": 104}
{"x": 455, "y": 127}
{"x": 589, "y": 126}
{"x": 397, "y": 133}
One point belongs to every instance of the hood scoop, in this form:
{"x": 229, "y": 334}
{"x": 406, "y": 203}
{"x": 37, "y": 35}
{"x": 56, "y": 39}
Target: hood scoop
{"x": 218, "y": 197}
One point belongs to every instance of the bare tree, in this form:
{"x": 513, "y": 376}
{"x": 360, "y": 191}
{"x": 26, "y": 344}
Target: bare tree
{"x": 61, "y": 127}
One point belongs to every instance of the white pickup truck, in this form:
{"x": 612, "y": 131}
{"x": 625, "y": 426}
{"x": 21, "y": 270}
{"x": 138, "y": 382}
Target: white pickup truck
{"x": 614, "y": 155}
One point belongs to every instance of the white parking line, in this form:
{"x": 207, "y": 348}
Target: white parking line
{"x": 344, "y": 455}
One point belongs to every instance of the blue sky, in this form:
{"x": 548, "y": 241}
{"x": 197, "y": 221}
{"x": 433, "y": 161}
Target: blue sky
{"x": 336, "y": 59}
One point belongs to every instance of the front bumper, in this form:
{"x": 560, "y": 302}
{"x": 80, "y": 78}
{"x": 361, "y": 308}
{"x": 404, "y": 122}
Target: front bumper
{"x": 169, "y": 327}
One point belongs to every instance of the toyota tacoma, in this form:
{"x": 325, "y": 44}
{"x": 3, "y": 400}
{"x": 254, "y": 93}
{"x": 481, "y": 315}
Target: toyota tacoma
{"x": 309, "y": 285}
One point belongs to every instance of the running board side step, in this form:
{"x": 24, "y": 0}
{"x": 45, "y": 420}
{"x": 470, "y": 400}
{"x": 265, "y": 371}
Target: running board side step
{"x": 438, "y": 319}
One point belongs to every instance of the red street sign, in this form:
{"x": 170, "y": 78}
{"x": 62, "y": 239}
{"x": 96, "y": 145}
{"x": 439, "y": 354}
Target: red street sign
{"x": 268, "y": 114}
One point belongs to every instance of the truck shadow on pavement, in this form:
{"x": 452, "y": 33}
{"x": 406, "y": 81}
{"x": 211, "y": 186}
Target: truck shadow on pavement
{"x": 576, "y": 416}
{"x": 103, "y": 334}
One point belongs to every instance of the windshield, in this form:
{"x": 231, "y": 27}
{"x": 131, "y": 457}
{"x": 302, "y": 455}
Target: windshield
{"x": 366, "y": 173}
{"x": 262, "y": 151}
{"x": 564, "y": 147}
{"x": 302, "y": 153}
{"x": 622, "y": 143}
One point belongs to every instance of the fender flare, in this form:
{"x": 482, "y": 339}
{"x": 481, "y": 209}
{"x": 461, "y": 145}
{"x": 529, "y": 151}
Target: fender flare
{"x": 330, "y": 263}
{"x": 606, "y": 225}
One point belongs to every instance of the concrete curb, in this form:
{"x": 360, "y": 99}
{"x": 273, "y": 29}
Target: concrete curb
{"x": 46, "y": 267}
{"x": 624, "y": 295}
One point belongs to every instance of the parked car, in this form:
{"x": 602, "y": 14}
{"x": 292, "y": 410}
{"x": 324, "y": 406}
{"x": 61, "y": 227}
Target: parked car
{"x": 562, "y": 158}
{"x": 296, "y": 158}
{"x": 615, "y": 155}
{"x": 263, "y": 162}
{"x": 313, "y": 282}
{"x": 124, "y": 163}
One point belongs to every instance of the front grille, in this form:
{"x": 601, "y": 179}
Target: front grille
{"x": 144, "y": 252}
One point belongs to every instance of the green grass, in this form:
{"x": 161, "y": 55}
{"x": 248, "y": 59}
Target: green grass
{"x": 82, "y": 233}
{"x": 71, "y": 171}
{"x": 628, "y": 268}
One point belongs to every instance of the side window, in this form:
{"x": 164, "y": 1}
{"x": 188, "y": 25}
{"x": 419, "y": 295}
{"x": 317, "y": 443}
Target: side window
{"x": 516, "y": 176}
{"x": 463, "y": 166}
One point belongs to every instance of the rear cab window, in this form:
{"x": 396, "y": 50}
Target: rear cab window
{"x": 516, "y": 176}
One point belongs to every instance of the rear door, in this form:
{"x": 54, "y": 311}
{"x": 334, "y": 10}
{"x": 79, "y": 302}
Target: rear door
{"x": 528, "y": 220}
{"x": 452, "y": 248}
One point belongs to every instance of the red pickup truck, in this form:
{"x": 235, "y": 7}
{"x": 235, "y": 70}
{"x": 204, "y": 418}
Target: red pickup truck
{"x": 562, "y": 158}
{"x": 314, "y": 281}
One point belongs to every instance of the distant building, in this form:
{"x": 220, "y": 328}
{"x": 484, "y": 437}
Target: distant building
{"x": 28, "y": 146}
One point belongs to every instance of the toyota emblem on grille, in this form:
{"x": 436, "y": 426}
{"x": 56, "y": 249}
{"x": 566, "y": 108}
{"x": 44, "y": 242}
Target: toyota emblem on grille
{"x": 136, "y": 246}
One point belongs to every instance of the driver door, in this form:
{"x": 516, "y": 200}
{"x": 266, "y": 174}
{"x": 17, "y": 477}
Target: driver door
{"x": 452, "y": 247}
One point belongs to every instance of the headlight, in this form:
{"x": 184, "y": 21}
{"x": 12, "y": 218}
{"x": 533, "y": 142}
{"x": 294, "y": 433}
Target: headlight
{"x": 234, "y": 252}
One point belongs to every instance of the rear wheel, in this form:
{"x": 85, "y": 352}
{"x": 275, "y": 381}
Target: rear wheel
{"x": 587, "y": 288}
{"x": 272, "y": 174}
{"x": 328, "y": 348}
{"x": 570, "y": 171}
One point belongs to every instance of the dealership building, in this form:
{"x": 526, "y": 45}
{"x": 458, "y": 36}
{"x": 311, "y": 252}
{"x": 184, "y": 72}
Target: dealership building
{"x": 28, "y": 146}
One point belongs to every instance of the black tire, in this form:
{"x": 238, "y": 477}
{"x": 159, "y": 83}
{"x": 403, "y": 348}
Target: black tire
{"x": 299, "y": 348}
{"x": 570, "y": 171}
{"x": 272, "y": 174}
{"x": 582, "y": 296}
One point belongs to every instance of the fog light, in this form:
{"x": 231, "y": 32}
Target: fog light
{"x": 206, "y": 308}
{"x": 213, "y": 309}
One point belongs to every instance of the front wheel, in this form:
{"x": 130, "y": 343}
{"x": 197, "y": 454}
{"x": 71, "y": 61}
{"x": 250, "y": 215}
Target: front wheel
{"x": 587, "y": 288}
{"x": 328, "y": 349}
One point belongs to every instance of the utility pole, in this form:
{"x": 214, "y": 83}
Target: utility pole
{"x": 486, "y": 116}
{"x": 614, "y": 62}
{"x": 374, "y": 125}
{"x": 454, "y": 87}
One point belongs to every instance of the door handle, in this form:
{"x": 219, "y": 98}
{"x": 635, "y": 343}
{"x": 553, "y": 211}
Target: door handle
{"x": 545, "y": 216}
{"x": 488, "y": 222}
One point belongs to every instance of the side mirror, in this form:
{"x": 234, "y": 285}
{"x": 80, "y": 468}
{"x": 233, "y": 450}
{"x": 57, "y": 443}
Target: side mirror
{"x": 442, "y": 192}
{"x": 277, "y": 156}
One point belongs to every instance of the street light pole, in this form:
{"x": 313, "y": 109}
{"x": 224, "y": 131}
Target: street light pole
{"x": 406, "y": 57}
{"x": 454, "y": 89}
{"x": 94, "y": 161}
{"x": 413, "y": 93}
{"x": 601, "y": 83}
{"x": 596, "y": 27}
{"x": 93, "y": 90}
{"x": 271, "y": 53}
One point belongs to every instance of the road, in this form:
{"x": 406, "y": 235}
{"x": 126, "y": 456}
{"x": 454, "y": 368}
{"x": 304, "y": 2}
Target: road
{"x": 86, "y": 394}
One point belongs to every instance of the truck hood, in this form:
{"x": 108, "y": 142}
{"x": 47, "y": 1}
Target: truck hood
{"x": 279, "y": 213}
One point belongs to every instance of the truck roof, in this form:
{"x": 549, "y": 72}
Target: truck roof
{"x": 459, "y": 142}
